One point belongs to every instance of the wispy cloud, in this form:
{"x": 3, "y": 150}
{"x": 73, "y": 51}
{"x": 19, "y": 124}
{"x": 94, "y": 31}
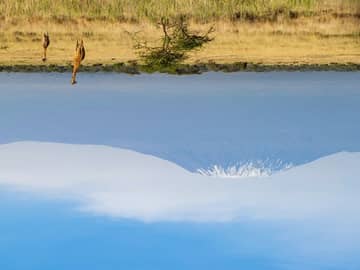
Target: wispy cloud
{"x": 127, "y": 184}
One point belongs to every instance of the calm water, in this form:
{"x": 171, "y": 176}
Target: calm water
{"x": 273, "y": 120}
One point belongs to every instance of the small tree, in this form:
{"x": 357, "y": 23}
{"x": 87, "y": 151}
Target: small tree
{"x": 176, "y": 41}
{"x": 184, "y": 40}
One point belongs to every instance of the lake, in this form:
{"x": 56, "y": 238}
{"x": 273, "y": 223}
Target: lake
{"x": 217, "y": 171}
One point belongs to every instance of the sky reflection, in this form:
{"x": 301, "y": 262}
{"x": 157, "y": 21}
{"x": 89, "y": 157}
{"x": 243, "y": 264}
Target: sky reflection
{"x": 304, "y": 218}
{"x": 194, "y": 121}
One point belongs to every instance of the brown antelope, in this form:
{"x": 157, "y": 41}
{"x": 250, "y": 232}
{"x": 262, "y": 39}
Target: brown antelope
{"x": 79, "y": 56}
{"x": 46, "y": 43}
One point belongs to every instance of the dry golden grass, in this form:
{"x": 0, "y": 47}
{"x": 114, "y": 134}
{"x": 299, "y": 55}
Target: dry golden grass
{"x": 319, "y": 39}
{"x": 200, "y": 10}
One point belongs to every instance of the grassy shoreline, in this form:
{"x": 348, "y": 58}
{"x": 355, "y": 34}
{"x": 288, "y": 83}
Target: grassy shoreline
{"x": 134, "y": 68}
{"x": 302, "y": 42}
{"x": 268, "y": 35}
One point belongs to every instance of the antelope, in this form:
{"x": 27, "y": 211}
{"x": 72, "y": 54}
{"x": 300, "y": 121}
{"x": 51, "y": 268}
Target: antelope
{"x": 79, "y": 56}
{"x": 46, "y": 43}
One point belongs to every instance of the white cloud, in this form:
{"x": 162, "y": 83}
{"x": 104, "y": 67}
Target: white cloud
{"x": 127, "y": 184}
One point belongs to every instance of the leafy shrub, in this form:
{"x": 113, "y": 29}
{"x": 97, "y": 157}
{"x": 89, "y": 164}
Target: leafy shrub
{"x": 176, "y": 41}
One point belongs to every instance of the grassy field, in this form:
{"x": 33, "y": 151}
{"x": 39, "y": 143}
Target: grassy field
{"x": 199, "y": 10}
{"x": 258, "y": 31}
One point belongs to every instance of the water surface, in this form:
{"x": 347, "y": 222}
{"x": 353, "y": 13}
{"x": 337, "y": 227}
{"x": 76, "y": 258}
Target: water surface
{"x": 273, "y": 120}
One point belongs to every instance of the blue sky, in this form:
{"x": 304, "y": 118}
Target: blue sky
{"x": 195, "y": 122}
{"x": 38, "y": 234}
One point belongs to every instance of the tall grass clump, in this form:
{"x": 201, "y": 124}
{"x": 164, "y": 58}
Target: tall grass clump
{"x": 200, "y": 11}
